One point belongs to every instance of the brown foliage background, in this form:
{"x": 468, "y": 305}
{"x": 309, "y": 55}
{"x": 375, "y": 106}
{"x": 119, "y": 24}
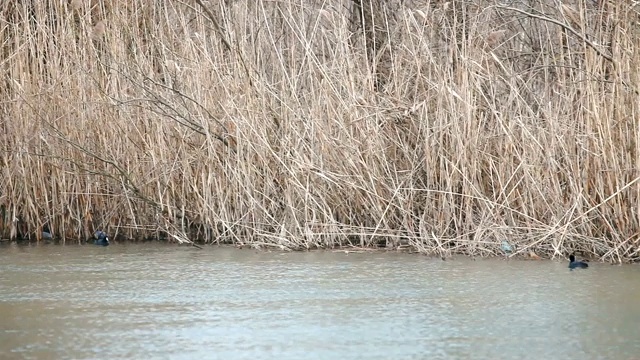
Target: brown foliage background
{"x": 442, "y": 126}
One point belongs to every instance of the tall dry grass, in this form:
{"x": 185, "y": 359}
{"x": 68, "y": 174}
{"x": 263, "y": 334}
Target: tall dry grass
{"x": 443, "y": 127}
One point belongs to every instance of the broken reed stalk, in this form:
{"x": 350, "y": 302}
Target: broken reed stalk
{"x": 444, "y": 129}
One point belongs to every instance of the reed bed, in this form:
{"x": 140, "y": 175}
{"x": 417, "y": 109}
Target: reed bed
{"x": 436, "y": 126}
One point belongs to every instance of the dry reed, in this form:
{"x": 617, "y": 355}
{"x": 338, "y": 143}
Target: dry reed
{"x": 443, "y": 127}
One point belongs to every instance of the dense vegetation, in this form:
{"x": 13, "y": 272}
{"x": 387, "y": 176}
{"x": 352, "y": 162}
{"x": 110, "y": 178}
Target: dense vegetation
{"x": 438, "y": 126}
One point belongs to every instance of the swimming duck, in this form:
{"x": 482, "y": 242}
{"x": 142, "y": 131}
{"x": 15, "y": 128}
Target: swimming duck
{"x": 101, "y": 238}
{"x": 573, "y": 264}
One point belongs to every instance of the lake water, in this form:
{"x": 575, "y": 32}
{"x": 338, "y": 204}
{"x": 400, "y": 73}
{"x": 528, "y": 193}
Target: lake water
{"x": 168, "y": 302}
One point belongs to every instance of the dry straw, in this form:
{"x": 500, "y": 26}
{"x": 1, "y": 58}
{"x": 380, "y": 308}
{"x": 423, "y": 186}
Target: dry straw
{"x": 441, "y": 127}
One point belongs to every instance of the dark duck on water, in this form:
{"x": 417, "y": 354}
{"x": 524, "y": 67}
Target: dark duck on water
{"x": 574, "y": 264}
{"x": 102, "y": 238}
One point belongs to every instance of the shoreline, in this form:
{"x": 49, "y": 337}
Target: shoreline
{"x": 524, "y": 256}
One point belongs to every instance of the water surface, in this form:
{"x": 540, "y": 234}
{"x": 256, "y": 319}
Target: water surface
{"x": 167, "y": 302}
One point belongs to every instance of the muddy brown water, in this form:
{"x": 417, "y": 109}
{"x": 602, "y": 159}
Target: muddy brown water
{"x": 166, "y": 302}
